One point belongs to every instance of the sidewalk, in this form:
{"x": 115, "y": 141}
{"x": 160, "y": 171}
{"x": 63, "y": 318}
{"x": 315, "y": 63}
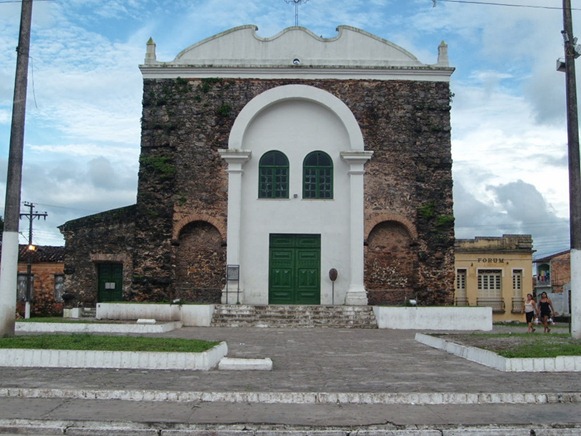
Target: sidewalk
{"x": 330, "y": 380}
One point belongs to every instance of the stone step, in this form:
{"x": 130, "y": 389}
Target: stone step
{"x": 88, "y": 312}
{"x": 293, "y": 316}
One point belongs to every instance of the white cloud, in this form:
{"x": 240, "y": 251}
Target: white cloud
{"x": 84, "y": 107}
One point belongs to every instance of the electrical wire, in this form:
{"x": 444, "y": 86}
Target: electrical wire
{"x": 473, "y": 2}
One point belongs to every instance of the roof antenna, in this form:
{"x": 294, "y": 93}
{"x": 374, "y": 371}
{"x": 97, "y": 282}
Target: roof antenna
{"x": 296, "y": 3}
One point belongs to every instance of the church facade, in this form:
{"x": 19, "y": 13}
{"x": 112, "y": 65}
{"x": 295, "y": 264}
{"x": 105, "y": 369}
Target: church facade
{"x": 294, "y": 169}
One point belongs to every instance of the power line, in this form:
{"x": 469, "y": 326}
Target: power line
{"x": 501, "y": 4}
{"x": 20, "y": 1}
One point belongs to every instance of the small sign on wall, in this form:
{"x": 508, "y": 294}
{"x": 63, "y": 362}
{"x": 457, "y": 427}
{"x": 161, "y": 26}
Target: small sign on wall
{"x": 109, "y": 285}
{"x": 233, "y": 272}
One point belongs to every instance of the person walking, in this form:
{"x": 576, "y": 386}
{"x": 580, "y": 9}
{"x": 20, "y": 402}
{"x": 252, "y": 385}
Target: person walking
{"x": 547, "y": 311}
{"x": 530, "y": 310}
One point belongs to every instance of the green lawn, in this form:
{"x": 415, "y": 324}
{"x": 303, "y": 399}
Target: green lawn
{"x": 523, "y": 345}
{"x": 83, "y": 341}
{"x": 55, "y": 319}
{"x": 546, "y": 346}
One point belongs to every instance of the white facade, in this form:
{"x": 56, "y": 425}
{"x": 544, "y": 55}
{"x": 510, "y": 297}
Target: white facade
{"x": 271, "y": 121}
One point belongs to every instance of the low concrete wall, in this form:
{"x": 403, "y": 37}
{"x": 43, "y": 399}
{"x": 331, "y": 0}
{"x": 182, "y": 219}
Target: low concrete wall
{"x": 80, "y": 327}
{"x": 129, "y": 311}
{"x": 434, "y": 318}
{"x": 193, "y": 315}
{"x": 190, "y": 315}
{"x": 73, "y": 313}
{"x": 113, "y": 359}
{"x": 404, "y": 318}
{"x": 493, "y": 360}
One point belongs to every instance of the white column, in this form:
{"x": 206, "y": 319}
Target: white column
{"x": 8, "y": 283}
{"x": 576, "y": 293}
{"x": 356, "y": 294}
{"x": 236, "y": 159}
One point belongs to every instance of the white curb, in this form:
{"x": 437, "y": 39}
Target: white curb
{"x": 386, "y": 398}
{"x": 81, "y": 327}
{"x": 238, "y": 364}
{"x": 493, "y": 360}
{"x": 17, "y": 357}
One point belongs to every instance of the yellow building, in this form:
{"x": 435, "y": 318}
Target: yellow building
{"x": 495, "y": 272}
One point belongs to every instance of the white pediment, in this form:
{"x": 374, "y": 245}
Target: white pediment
{"x": 241, "y": 47}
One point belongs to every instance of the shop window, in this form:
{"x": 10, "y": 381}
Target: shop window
{"x": 517, "y": 297}
{"x": 59, "y": 281}
{"x": 22, "y": 284}
{"x": 461, "y": 297}
{"x": 544, "y": 275}
{"x": 490, "y": 289}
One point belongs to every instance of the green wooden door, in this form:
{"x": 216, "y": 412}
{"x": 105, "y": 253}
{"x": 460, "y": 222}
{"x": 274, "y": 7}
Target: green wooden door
{"x": 295, "y": 269}
{"x": 110, "y": 280}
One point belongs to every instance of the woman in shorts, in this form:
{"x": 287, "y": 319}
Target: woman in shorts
{"x": 530, "y": 310}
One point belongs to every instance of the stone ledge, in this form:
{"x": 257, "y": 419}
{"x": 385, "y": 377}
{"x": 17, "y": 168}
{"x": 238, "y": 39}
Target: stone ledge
{"x": 253, "y": 397}
{"x": 237, "y": 364}
{"x": 493, "y": 360}
{"x": 81, "y": 327}
{"x": 17, "y": 357}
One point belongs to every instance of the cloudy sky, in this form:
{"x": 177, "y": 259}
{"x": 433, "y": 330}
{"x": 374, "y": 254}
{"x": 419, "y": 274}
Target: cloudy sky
{"x": 509, "y": 140}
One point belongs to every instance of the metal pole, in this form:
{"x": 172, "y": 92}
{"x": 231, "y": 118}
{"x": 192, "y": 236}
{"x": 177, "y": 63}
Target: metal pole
{"x": 31, "y": 248}
{"x": 28, "y": 283}
{"x": 9, "y": 266}
{"x": 574, "y": 170}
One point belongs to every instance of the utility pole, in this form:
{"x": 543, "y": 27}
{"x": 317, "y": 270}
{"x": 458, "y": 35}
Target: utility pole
{"x": 31, "y": 215}
{"x": 571, "y": 53}
{"x": 9, "y": 266}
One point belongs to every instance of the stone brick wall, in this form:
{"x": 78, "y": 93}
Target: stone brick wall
{"x": 185, "y": 122}
{"x": 104, "y": 237}
{"x": 43, "y": 302}
{"x": 560, "y": 272}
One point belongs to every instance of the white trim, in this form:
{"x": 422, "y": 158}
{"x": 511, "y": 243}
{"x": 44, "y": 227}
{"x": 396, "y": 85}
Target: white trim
{"x": 8, "y": 283}
{"x": 295, "y": 92}
{"x": 423, "y": 74}
{"x": 575, "y": 293}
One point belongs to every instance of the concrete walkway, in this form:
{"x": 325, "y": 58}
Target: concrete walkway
{"x": 324, "y": 381}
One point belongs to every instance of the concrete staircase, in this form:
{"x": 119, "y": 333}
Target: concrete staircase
{"x": 242, "y": 315}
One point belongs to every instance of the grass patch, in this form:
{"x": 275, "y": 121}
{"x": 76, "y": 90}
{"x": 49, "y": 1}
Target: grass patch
{"x": 55, "y": 319}
{"x": 522, "y": 345}
{"x": 84, "y": 341}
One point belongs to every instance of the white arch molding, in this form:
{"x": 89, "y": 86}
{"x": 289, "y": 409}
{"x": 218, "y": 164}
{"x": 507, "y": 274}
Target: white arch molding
{"x": 354, "y": 156}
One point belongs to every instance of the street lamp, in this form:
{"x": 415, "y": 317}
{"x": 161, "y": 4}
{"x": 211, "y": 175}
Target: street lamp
{"x": 29, "y": 253}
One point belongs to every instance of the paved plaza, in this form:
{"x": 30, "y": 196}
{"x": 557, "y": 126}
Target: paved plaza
{"x": 324, "y": 381}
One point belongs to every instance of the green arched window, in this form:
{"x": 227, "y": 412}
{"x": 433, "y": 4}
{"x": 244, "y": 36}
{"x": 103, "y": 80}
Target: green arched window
{"x": 318, "y": 175}
{"x": 273, "y": 175}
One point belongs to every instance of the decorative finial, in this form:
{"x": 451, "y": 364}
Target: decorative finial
{"x": 443, "y": 54}
{"x": 150, "y": 57}
{"x": 296, "y": 3}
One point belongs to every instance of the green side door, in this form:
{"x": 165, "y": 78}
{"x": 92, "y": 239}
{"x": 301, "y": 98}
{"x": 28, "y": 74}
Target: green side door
{"x": 294, "y": 269}
{"x": 110, "y": 282}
